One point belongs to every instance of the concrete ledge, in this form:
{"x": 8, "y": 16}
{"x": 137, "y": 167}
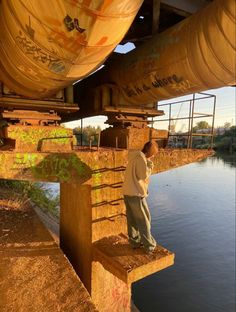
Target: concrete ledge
{"x": 126, "y": 263}
{"x": 106, "y": 226}
{"x": 79, "y": 167}
{"x": 34, "y": 273}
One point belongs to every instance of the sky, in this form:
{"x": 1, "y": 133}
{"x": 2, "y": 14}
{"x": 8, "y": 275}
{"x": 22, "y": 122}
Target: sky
{"x": 225, "y": 111}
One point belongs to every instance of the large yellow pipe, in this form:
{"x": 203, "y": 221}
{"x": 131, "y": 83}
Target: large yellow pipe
{"x": 197, "y": 54}
{"x": 46, "y": 45}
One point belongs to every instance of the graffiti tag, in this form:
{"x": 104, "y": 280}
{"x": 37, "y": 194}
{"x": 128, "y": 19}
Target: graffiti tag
{"x": 30, "y": 48}
{"x": 72, "y": 24}
{"x": 156, "y": 83}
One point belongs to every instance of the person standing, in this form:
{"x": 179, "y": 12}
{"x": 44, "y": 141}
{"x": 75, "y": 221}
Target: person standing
{"x": 135, "y": 191}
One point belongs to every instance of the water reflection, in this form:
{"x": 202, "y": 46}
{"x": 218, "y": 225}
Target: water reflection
{"x": 229, "y": 159}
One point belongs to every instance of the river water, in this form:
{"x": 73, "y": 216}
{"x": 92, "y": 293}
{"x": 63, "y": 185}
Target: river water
{"x": 193, "y": 215}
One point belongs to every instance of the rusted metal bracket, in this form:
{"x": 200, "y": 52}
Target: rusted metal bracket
{"x": 12, "y": 103}
{"x": 28, "y": 117}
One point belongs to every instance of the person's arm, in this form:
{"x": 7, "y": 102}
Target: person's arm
{"x": 142, "y": 169}
{"x": 150, "y": 164}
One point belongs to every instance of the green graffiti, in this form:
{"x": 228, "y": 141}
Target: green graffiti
{"x": 56, "y": 167}
{"x": 97, "y": 177}
{"x": 34, "y": 135}
{"x": 2, "y": 159}
{"x": 61, "y": 134}
{"x": 24, "y": 160}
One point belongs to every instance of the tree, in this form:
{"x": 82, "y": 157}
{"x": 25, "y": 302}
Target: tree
{"x": 201, "y": 125}
{"x": 227, "y": 125}
{"x": 89, "y": 133}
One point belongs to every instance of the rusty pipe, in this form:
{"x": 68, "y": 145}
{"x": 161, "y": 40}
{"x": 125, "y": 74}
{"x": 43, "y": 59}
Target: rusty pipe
{"x": 47, "y": 45}
{"x": 195, "y": 55}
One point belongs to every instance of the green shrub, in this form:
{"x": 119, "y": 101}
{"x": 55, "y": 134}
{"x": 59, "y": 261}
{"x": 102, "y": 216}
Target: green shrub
{"x": 36, "y": 192}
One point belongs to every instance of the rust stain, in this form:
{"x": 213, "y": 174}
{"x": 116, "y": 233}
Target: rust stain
{"x": 102, "y": 41}
{"x": 69, "y": 43}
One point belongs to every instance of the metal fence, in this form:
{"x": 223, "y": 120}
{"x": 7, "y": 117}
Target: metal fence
{"x": 192, "y": 115}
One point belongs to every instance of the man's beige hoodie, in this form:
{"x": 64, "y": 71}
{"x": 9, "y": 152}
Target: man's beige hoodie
{"x": 137, "y": 175}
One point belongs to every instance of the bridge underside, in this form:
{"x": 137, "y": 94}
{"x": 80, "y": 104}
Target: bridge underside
{"x": 93, "y": 229}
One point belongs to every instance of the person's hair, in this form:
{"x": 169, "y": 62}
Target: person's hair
{"x": 150, "y": 148}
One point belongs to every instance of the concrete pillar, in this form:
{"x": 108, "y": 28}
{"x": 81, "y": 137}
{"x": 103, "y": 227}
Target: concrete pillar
{"x": 79, "y": 228}
{"x": 90, "y": 212}
{"x": 76, "y": 228}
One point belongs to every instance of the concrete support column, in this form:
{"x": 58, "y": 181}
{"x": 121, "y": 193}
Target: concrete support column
{"x": 108, "y": 292}
{"x": 76, "y": 228}
{"x": 90, "y": 212}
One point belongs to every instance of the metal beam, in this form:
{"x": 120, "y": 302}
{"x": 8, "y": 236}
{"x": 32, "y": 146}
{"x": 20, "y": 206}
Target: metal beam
{"x": 30, "y": 104}
{"x": 155, "y": 15}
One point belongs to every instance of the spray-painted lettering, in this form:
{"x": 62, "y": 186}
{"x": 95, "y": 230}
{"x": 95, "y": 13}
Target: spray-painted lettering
{"x": 163, "y": 82}
{"x": 30, "y": 48}
{"x": 72, "y": 24}
{"x": 156, "y": 83}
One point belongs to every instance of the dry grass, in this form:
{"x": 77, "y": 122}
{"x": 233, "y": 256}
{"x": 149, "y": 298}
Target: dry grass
{"x": 9, "y": 199}
{"x": 20, "y": 194}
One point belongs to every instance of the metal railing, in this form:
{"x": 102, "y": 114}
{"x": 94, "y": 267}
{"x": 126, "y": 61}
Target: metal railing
{"x": 192, "y": 115}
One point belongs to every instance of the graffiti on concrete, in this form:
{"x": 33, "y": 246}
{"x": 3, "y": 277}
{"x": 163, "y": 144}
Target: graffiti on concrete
{"x": 32, "y": 135}
{"x": 53, "y": 167}
{"x": 120, "y": 295}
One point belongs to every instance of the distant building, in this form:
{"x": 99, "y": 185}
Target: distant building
{"x": 205, "y": 131}
{"x": 217, "y": 131}
{"x": 220, "y": 131}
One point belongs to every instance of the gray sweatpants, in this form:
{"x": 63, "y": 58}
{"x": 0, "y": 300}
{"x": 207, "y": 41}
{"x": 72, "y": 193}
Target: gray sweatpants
{"x": 139, "y": 222}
